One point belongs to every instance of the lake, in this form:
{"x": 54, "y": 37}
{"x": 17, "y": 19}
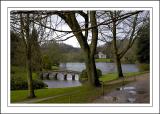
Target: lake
{"x": 104, "y": 67}
{"x": 62, "y": 83}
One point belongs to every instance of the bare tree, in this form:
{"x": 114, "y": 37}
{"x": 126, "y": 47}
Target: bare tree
{"x": 22, "y": 23}
{"x": 120, "y": 30}
{"x": 25, "y": 31}
{"x": 89, "y": 50}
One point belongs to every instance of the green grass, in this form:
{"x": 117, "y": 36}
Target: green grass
{"x": 55, "y": 68}
{"x": 114, "y": 76}
{"x": 81, "y": 94}
{"x": 85, "y": 94}
{"x": 103, "y": 60}
{"x": 21, "y": 95}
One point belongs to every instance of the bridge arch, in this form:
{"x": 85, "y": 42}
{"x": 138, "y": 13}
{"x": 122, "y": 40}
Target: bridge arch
{"x": 59, "y": 75}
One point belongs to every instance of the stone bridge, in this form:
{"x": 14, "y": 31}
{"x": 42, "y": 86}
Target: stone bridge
{"x": 60, "y": 75}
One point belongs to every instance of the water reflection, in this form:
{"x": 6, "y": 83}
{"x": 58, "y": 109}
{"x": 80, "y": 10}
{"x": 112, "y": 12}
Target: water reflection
{"x": 61, "y": 83}
{"x": 104, "y": 67}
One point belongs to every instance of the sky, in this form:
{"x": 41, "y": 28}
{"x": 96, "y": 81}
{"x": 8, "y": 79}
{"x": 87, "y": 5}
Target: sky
{"x": 63, "y": 26}
{"x": 72, "y": 41}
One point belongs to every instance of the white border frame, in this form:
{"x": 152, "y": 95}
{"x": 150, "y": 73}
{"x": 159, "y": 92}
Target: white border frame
{"x": 42, "y": 108}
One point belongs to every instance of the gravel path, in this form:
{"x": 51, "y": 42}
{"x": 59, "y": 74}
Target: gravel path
{"x": 134, "y": 92}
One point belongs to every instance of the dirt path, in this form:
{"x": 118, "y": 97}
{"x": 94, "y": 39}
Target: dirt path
{"x": 137, "y": 92}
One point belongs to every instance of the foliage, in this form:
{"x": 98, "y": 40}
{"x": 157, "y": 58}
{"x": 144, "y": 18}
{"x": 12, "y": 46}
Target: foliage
{"x": 18, "y": 51}
{"x": 103, "y": 60}
{"x": 19, "y": 84}
{"x": 143, "y": 44}
{"x": 54, "y": 67}
{"x": 18, "y": 54}
{"x": 19, "y": 79}
{"x": 59, "y": 52}
{"x": 107, "y": 49}
{"x": 143, "y": 67}
{"x": 46, "y": 62}
{"x": 83, "y": 75}
{"x": 130, "y": 56}
{"x": 36, "y": 52}
{"x": 73, "y": 57}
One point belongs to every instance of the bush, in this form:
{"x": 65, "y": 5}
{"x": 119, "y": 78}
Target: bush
{"x": 143, "y": 67}
{"x": 83, "y": 75}
{"x": 19, "y": 79}
{"x": 38, "y": 84}
{"x": 19, "y": 84}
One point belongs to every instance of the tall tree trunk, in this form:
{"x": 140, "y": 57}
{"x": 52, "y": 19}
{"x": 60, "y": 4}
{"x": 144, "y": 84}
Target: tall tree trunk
{"x": 29, "y": 62}
{"x": 119, "y": 67}
{"x": 88, "y": 69}
{"x": 94, "y": 72}
{"x": 117, "y": 56}
{"x": 93, "y": 79}
{"x": 93, "y": 46}
{"x": 29, "y": 68}
{"x": 89, "y": 51}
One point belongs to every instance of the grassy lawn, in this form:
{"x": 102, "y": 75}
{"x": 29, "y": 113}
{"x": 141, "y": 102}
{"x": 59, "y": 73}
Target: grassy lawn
{"x": 85, "y": 94}
{"x": 21, "y": 95}
{"x": 81, "y": 94}
{"x": 114, "y": 76}
{"x": 103, "y": 60}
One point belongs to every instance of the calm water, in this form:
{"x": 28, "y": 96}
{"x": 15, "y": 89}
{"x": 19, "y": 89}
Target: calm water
{"x": 61, "y": 83}
{"x": 104, "y": 67}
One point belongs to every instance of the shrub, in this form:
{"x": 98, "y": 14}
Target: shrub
{"x": 19, "y": 79}
{"x": 38, "y": 84}
{"x": 83, "y": 75}
{"x": 143, "y": 67}
{"x": 99, "y": 72}
{"x": 20, "y": 84}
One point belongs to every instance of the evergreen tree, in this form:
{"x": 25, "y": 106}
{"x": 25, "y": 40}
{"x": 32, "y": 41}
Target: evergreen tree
{"x": 143, "y": 44}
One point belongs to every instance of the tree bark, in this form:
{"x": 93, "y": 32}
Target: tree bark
{"x": 93, "y": 78}
{"x": 29, "y": 68}
{"x": 93, "y": 47}
{"x": 29, "y": 62}
{"x": 117, "y": 57}
{"x": 119, "y": 67}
